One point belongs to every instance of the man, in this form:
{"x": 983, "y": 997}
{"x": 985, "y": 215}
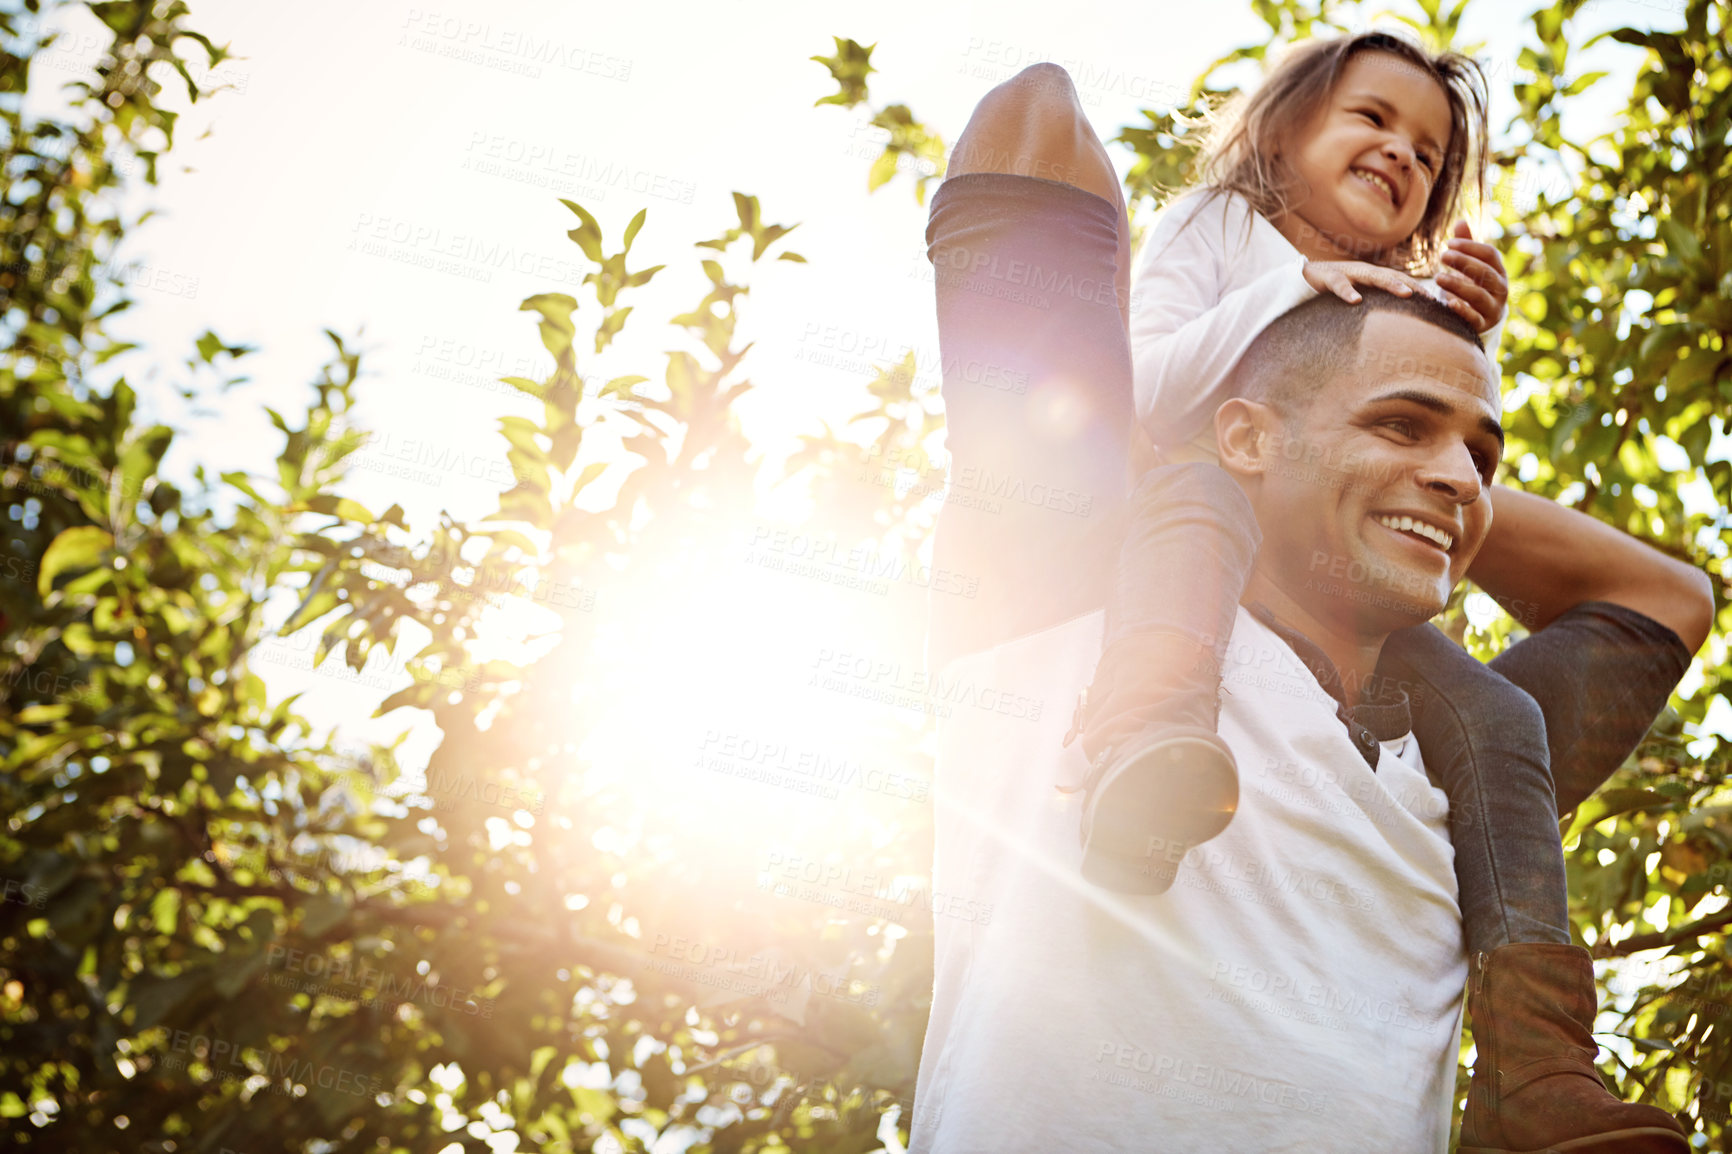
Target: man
{"x": 1299, "y": 988}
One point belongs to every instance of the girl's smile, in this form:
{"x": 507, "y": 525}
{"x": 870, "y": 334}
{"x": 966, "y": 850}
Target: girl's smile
{"x": 1368, "y": 160}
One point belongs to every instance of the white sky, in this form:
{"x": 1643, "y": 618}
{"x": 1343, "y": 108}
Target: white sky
{"x": 351, "y": 115}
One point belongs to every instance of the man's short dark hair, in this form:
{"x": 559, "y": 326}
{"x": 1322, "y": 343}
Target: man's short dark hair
{"x": 1318, "y": 340}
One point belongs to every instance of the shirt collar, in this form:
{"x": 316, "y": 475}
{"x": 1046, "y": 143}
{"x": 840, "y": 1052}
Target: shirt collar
{"x": 1384, "y": 715}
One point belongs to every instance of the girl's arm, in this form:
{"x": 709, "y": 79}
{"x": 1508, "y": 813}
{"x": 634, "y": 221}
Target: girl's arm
{"x": 1186, "y": 331}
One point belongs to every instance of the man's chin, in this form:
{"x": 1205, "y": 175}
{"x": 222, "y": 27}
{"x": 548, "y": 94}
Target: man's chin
{"x": 1395, "y": 598}
{"x": 1382, "y": 611}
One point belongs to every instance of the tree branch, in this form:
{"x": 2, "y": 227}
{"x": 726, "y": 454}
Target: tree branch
{"x": 1668, "y": 937}
{"x": 232, "y": 890}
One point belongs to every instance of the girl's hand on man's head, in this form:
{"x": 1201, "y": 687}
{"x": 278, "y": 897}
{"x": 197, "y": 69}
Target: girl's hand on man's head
{"x": 1339, "y": 277}
{"x": 1473, "y": 279}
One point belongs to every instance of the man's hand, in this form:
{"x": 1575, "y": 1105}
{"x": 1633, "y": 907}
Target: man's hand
{"x": 1474, "y": 283}
{"x": 1339, "y": 277}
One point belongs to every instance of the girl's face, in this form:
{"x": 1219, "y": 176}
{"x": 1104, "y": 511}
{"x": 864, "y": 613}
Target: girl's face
{"x": 1369, "y": 158}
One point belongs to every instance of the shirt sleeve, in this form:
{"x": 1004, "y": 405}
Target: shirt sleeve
{"x": 1187, "y": 333}
{"x": 1601, "y": 673}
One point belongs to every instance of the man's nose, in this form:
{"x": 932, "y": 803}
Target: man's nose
{"x": 1453, "y": 474}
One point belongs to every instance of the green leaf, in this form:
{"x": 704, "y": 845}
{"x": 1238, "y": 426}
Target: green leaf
{"x": 524, "y": 384}
{"x": 1696, "y": 438}
{"x": 315, "y": 603}
{"x": 1680, "y": 240}
{"x": 632, "y": 229}
{"x": 1652, "y": 1045}
{"x": 1613, "y": 803}
{"x": 418, "y": 695}
{"x": 1626, "y": 36}
{"x": 622, "y": 386}
{"x": 242, "y": 482}
{"x": 41, "y": 714}
{"x": 78, "y": 548}
{"x": 523, "y": 435}
{"x": 1692, "y": 372}
{"x": 117, "y": 14}
{"x": 209, "y": 345}
{"x": 138, "y": 462}
{"x": 610, "y": 327}
{"x": 587, "y": 234}
{"x": 331, "y": 505}
{"x": 590, "y": 473}
{"x": 557, "y": 328}
{"x": 849, "y": 68}
{"x": 882, "y": 172}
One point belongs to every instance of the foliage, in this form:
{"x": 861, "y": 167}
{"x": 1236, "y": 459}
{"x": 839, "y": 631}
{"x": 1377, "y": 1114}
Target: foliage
{"x": 209, "y": 922}
{"x": 909, "y": 145}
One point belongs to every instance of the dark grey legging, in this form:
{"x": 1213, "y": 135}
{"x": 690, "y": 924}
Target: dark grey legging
{"x": 1040, "y": 505}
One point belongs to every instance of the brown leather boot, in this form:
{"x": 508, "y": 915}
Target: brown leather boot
{"x": 1535, "y": 1088}
{"x": 1161, "y": 780}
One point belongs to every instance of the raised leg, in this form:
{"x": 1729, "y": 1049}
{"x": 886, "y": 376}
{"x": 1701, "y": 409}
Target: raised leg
{"x": 1029, "y": 245}
{"x": 1033, "y": 125}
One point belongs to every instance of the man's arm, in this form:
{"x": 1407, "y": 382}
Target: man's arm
{"x": 1541, "y": 559}
{"x": 1615, "y": 625}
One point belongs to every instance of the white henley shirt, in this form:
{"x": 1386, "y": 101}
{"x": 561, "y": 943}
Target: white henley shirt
{"x": 1298, "y": 989}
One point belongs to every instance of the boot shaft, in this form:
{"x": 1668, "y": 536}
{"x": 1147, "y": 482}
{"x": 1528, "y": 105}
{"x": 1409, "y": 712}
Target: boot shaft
{"x": 1534, "y": 1080}
{"x": 1531, "y": 1001}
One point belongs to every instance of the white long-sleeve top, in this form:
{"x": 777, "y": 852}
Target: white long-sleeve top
{"x": 1211, "y": 275}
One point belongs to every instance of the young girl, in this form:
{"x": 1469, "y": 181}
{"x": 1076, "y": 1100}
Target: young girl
{"x": 1345, "y": 168}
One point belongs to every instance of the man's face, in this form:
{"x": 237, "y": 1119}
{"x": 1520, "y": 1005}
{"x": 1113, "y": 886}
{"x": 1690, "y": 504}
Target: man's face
{"x": 1374, "y": 509}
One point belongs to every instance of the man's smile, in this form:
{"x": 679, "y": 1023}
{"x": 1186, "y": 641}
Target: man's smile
{"x": 1415, "y": 528}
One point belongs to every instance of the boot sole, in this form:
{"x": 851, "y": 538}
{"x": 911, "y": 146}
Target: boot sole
{"x": 1180, "y": 792}
{"x": 1616, "y": 1142}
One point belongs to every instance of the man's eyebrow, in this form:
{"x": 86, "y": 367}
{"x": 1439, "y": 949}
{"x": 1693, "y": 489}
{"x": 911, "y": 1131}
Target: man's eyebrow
{"x": 1390, "y": 109}
{"x": 1439, "y": 406}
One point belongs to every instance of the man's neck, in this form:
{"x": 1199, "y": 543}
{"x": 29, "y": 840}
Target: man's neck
{"x": 1352, "y": 652}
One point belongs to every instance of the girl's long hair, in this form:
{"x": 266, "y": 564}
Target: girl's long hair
{"x": 1241, "y": 153}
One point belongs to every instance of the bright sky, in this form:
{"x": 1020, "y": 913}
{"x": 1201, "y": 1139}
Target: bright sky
{"x": 363, "y": 135}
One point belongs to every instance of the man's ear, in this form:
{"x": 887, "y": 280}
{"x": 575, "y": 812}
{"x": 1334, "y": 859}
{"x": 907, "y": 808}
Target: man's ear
{"x": 1245, "y": 434}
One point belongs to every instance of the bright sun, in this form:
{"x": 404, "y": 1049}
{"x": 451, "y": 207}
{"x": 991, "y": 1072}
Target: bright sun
{"x": 700, "y": 707}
